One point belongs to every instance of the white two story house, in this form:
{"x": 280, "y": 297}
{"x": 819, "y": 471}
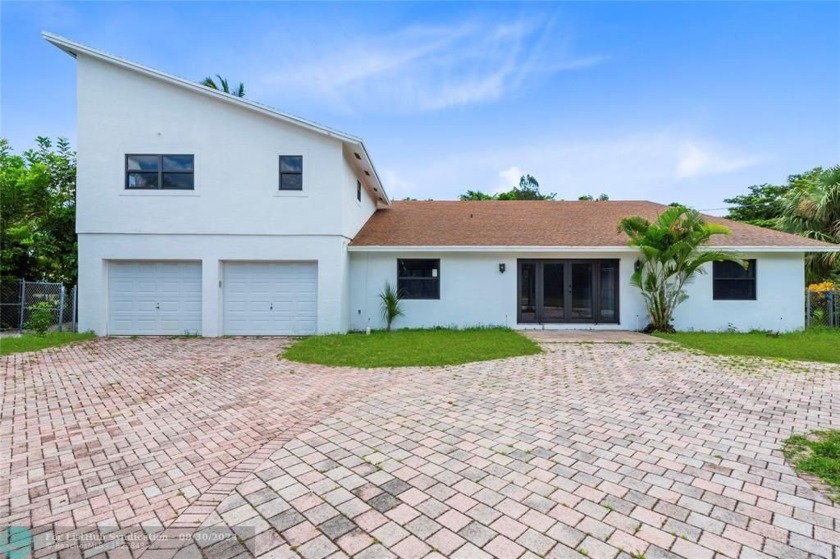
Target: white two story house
{"x": 200, "y": 212}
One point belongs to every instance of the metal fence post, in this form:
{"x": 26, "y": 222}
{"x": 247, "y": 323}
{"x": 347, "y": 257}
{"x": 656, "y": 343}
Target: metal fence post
{"x": 22, "y": 303}
{"x": 61, "y": 307}
{"x": 73, "y": 311}
{"x": 807, "y": 308}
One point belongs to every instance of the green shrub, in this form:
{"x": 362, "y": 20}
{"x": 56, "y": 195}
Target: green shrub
{"x": 391, "y": 304}
{"x": 40, "y": 317}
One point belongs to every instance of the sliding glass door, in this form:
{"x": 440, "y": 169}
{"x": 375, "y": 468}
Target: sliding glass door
{"x": 561, "y": 291}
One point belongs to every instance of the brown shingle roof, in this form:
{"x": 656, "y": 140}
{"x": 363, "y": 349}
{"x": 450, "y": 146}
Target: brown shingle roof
{"x": 536, "y": 223}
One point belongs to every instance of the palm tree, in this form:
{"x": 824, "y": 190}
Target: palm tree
{"x": 223, "y": 86}
{"x": 670, "y": 258}
{"x": 811, "y": 208}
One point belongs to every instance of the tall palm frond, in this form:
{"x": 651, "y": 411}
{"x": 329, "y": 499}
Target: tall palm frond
{"x": 811, "y": 208}
{"x": 670, "y": 258}
{"x": 224, "y": 86}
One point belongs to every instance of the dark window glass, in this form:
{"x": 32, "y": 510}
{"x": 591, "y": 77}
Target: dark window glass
{"x": 173, "y": 172}
{"x": 732, "y": 282}
{"x": 143, "y": 162}
{"x": 418, "y": 278}
{"x": 291, "y": 172}
{"x": 359, "y": 191}
{"x": 178, "y": 181}
{"x": 142, "y": 180}
{"x": 178, "y": 163}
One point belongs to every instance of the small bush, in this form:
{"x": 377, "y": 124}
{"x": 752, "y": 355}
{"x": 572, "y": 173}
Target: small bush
{"x": 40, "y": 317}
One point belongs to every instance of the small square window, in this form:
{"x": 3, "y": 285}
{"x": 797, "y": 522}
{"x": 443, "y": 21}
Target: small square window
{"x": 733, "y": 282}
{"x": 291, "y": 172}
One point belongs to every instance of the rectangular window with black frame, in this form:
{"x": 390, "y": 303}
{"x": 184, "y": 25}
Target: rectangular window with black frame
{"x": 733, "y": 282}
{"x": 418, "y": 278}
{"x": 159, "y": 172}
{"x": 291, "y": 172}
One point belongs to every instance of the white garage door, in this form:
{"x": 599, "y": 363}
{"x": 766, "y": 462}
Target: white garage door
{"x": 154, "y": 298}
{"x": 270, "y": 298}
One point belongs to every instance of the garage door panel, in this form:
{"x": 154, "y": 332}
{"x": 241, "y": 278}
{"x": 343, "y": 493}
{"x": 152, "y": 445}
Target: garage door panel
{"x": 270, "y": 298}
{"x": 154, "y": 298}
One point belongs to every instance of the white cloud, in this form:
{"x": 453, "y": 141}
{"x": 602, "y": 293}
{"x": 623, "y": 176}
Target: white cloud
{"x": 418, "y": 67}
{"x": 510, "y": 178}
{"x": 395, "y": 185}
{"x": 647, "y": 166}
{"x": 697, "y": 160}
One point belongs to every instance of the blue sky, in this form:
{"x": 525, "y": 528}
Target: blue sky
{"x": 689, "y": 102}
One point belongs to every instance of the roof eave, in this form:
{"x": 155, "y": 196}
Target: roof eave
{"x": 577, "y": 249}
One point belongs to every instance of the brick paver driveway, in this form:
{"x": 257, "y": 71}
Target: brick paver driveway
{"x": 596, "y": 449}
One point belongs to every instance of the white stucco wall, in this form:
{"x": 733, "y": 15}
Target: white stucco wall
{"x": 97, "y": 250}
{"x": 236, "y": 211}
{"x": 472, "y": 291}
{"x": 236, "y": 163}
{"x": 475, "y": 293}
{"x": 779, "y": 304}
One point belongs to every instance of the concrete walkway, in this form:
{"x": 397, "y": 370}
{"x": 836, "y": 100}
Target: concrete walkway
{"x": 592, "y": 336}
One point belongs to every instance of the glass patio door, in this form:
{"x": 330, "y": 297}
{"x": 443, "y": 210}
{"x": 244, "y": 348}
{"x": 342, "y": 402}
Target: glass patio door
{"x": 580, "y": 292}
{"x": 553, "y": 292}
{"x": 567, "y": 291}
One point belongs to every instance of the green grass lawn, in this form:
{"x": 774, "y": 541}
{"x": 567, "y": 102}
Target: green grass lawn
{"x": 31, "y": 342}
{"x": 406, "y": 348}
{"x": 817, "y": 344}
{"x": 818, "y": 454}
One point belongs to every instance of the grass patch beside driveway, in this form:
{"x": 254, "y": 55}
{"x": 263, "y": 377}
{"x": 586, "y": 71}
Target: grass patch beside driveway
{"x": 31, "y": 342}
{"x": 818, "y": 454}
{"x": 410, "y": 348}
{"x": 817, "y": 344}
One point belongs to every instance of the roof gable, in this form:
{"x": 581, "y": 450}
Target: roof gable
{"x": 361, "y": 161}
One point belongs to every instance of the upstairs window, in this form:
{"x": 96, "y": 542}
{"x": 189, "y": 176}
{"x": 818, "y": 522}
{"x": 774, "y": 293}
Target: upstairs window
{"x": 159, "y": 172}
{"x": 418, "y": 278}
{"x": 732, "y": 282}
{"x": 291, "y": 172}
{"x": 359, "y": 191}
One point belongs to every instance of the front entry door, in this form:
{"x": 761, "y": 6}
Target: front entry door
{"x": 561, "y": 291}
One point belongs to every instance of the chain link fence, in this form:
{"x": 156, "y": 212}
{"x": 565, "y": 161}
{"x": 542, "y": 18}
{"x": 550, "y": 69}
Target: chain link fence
{"x": 21, "y": 299}
{"x": 822, "y": 308}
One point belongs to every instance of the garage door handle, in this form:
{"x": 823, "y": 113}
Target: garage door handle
{"x": 157, "y": 306}
{"x": 271, "y": 306}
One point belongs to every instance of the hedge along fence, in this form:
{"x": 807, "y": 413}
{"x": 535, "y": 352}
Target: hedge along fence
{"x": 37, "y": 305}
{"x": 822, "y": 305}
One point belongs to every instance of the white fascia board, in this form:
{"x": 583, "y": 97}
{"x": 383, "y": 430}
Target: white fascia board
{"x": 577, "y": 249}
{"x": 779, "y": 249}
{"x": 466, "y": 248}
{"x": 73, "y": 49}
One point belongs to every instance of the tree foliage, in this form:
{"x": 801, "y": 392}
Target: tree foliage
{"x": 808, "y": 205}
{"x": 589, "y": 197}
{"x": 670, "y": 257}
{"x": 811, "y": 208}
{"x": 224, "y": 86}
{"x": 38, "y": 192}
{"x": 475, "y": 195}
{"x": 528, "y": 189}
{"x": 760, "y": 207}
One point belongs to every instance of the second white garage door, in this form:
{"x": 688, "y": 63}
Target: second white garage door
{"x": 270, "y": 298}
